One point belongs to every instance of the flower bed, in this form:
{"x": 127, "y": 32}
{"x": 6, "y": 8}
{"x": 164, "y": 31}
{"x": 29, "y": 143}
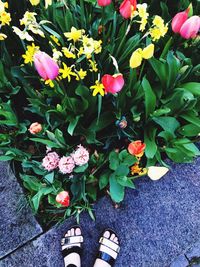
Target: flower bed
{"x": 95, "y": 94}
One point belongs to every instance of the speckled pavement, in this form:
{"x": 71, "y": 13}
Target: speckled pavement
{"x": 158, "y": 224}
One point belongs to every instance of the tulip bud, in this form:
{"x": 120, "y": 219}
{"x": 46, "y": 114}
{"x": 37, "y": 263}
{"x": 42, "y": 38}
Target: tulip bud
{"x": 47, "y": 68}
{"x": 35, "y": 128}
{"x": 178, "y": 20}
{"x": 190, "y": 28}
{"x": 104, "y": 2}
{"x": 113, "y": 84}
{"x": 63, "y": 198}
{"x": 136, "y": 148}
{"x": 127, "y": 7}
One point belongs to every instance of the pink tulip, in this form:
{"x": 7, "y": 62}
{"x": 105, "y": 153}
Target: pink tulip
{"x": 127, "y": 7}
{"x": 104, "y": 2}
{"x": 46, "y": 66}
{"x": 113, "y": 84}
{"x": 178, "y": 20}
{"x": 190, "y": 27}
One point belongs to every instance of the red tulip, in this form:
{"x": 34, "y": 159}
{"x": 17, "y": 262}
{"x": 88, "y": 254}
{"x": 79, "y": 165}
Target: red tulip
{"x": 46, "y": 66}
{"x": 178, "y": 20}
{"x": 112, "y": 84}
{"x": 190, "y": 28}
{"x": 63, "y": 198}
{"x": 127, "y": 7}
{"x": 136, "y": 148}
{"x": 104, "y": 2}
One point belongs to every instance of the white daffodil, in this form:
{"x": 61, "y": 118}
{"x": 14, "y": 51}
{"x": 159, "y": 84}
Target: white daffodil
{"x": 155, "y": 172}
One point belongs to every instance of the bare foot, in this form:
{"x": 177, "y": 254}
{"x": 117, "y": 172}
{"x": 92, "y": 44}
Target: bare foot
{"x": 72, "y": 247}
{"x": 109, "y": 249}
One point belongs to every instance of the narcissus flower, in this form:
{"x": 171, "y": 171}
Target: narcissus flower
{"x": 36, "y": 2}
{"x": 190, "y": 28}
{"x": 74, "y": 34}
{"x": 45, "y": 66}
{"x": 178, "y": 20}
{"x": 35, "y": 128}
{"x": 63, "y": 198}
{"x": 104, "y": 2}
{"x": 98, "y": 88}
{"x": 136, "y": 148}
{"x": 113, "y": 83}
{"x": 127, "y": 8}
{"x": 155, "y": 172}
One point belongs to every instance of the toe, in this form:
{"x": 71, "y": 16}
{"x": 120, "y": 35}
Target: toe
{"x": 116, "y": 240}
{"x": 72, "y": 232}
{"x": 69, "y": 233}
{"x": 106, "y": 234}
{"x": 112, "y": 237}
{"x": 78, "y": 231}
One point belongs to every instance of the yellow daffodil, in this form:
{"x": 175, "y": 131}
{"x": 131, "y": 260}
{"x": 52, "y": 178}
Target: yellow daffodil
{"x": 93, "y": 66}
{"x": 68, "y": 53}
{"x": 55, "y": 39}
{"x": 140, "y": 54}
{"x": 142, "y": 12}
{"x": 3, "y": 6}
{"x": 98, "y": 88}
{"x": 56, "y": 54}
{"x": 28, "y": 18}
{"x": 159, "y": 29}
{"x": 36, "y": 2}
{"x": 155, "y": 172}
{"x": 81, "y": 74}
{"x": 2, "y": 36}
{"x": 148, "y": 51}
{"x": 5, "y": 18}
{"x": 74, "y": 34}
{"x": 136, "y": 58}
{"x": 28, "y": 56}
{"x": 50, "y": 83}
{"x": 23, "y": 35}
{"x": 67, "y": 72}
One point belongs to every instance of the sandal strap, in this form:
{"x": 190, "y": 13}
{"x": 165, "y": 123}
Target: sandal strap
{"x": 106, "y": 257}
{"x": 110, "y": 244}
{"x": 108, "y": 251}
{"x": 71, "y": 240}
{"x": 67, "y": 251}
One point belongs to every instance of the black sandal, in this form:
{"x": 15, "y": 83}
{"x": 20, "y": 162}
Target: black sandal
{"x": 108, "y": 250}
{"x": 72, "y": 244}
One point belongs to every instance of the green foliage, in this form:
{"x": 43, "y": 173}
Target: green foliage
{"x": 159, "y": 103}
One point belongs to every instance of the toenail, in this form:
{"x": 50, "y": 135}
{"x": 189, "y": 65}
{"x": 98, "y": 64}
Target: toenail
{"x": 78, "y": 231}
{"x": 112, "y": 237}
{"x": 106, "y": 234}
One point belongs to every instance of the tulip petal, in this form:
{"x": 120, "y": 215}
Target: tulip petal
{"x": 113, "y": 84}
{"x": 148, "y": 51}
{"x": 155, "y": 172}
{"x": 136, "y": 58}
{"x": 178, "y": 21}
{"x": 190, "y": 27}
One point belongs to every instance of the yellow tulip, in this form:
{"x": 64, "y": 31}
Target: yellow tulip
{"x": 148, "y": 51}
{"x": 136, "y": 58}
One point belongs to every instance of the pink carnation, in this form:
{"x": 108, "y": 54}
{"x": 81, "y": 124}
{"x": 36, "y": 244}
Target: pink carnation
{"x": 66, "y": 165}
{"x": 80, "y": 156}
{"x": 50, "y": 162}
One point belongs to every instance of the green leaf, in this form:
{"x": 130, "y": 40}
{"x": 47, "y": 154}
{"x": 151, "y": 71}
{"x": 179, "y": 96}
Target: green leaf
{"x": 149, "y": 139}
{"x": 122, "y": 170}
{"x": 104, "y": 179}
{"x": 116, "y": 190}
{"x": 124, "y": 181}
{"x": 192, "y": 87}
{"x": 114, "y": 160}
{"x": 45, "y": 142}
{"x": 49, "y": 177}
{"x": 189, "y": 130}
{"x": 72, "y": 125}
{"x": 6, "y": 158}
{"x": 31, "y": 182}
{"x": 150, "y": 98}
{"x": 169, "y": 124}
{"x": 80, "y": 169}
{"x": 126, "y": 158}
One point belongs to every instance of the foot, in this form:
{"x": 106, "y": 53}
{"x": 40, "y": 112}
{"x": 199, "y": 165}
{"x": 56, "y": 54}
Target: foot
{"x": 72, "y": 247}
{"x": 109, "y": 249}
